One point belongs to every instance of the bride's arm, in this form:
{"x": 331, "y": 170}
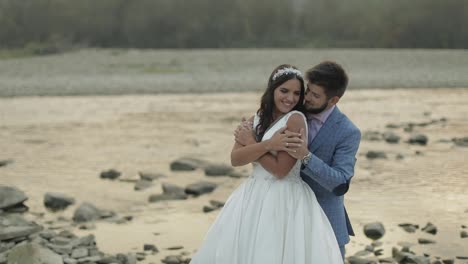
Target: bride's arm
{"x": 245, "y": 154}
{"x": 282, "y": 163}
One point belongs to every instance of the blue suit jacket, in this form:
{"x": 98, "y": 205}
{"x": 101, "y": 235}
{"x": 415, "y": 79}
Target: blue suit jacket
{"x": 331, "y": 168}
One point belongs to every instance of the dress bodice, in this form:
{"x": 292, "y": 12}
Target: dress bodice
{"x": 258, "y": 170}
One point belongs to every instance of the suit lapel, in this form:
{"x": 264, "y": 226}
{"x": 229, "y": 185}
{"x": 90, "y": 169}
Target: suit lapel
{"x": 328, "y": 127}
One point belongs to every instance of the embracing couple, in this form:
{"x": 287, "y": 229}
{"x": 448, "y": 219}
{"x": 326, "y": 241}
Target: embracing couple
{"x": 290, "y": 210}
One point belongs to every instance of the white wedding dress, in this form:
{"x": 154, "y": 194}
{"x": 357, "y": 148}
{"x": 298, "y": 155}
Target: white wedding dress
{"x": 267, "y": 220}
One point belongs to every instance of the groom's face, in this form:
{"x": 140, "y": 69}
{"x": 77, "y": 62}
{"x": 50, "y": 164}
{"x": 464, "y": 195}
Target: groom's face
{"x": 315, "y": 100}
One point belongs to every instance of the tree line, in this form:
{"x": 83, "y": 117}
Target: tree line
{"x": 234, "y": 23}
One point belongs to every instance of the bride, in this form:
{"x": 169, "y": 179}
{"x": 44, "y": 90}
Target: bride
{"x": 273, "y": 217}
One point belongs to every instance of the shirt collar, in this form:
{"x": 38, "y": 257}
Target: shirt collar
{"x": 323, "y": 116}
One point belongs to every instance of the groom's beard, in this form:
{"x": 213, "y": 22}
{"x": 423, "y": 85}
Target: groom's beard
{"x": 314, "y": 111}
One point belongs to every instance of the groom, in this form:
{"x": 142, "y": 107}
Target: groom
{"x": 333, "y": 140}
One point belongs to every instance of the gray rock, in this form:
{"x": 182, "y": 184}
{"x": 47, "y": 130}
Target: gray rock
{"x": 85, "y": 241}
{"x": 175, "y": 248}
{"x": 18, "y": 209}
{"x": 109, "y": 260}
{"x": 169, "y": 188}
{"x": 362, "y": 253}
{"x": 3, "y": 258}
{"x": 142, "y": 185}
{"x": 399, "y": 156}
{"x": 462, "y": 142}
{"x": 391, "y": 137}
{"x": 172, "y": 260}
{"x": 29, "y": 253}
{"x": 376, "y": 155}
{"x": 18, "y": 231}
{"x": 57, "y": 201}
{"x": 110, "y": 174}
{"x": 150, "y": 247}
{"x": 47, "y": 234}
{"x": 60, "y": 249}
{"x": 374, "y": 230}
{"x": 184, "y": 164}
{"x": 4, "y": 163}
{"x": 86, "y": 212}
{"x": 59, "y": 240}
{"x": 92, "y": 259}
{"x": 425, "y": 241}
{"x": 200, "y": 188}
{"x": 87, "y": 226}
{"x": 400, "y": 256}
{"x": 391, "y": 125}
{"x": 379, "y": 252}
{"x": 372, "y": 136}
{"x": 207, "y": 209}
{"x": 448, "y": 261}
{"x": 166, "y": 197}
{"x": 140, "y": 256}
{"x": 11, "y": 196}
{"x": 418, "y": 139}
{"x": 418, "y": 259}
{"x": 237, "y": 174}
{"x": 361, "y": 260}
{"x": 463, "y": 234}
{"x": 216, "y": 204}
{"x": 462, "y": 257}
{"x": 67, "y": 234}
{"x": 430, "y": 228}
{"x": 150, "y": 176}
{"x": 79, "y": 253}
{"x": 376, "y": 244}
{"x": 127, "y": 259}
{"x": 369, "y": 248}
{"x": 218, "y": 170}
{"x": 387, "y": 260}
{"x": 68, "y": 260}
{"x": 408, "y": 227}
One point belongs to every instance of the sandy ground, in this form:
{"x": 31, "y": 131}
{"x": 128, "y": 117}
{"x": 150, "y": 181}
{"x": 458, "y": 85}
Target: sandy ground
{"x": 61, "y": 144}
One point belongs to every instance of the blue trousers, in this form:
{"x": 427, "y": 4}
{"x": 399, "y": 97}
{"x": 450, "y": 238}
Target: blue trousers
{"x": 343, "y": 251}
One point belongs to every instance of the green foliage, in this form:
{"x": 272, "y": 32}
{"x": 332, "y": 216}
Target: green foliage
{"x": 234, "y": 23}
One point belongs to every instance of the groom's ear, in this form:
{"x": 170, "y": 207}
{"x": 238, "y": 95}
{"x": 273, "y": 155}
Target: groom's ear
{"x": 334, "y": 100}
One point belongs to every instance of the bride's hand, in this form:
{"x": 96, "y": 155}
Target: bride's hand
{"x": 283, "y": 139}
{"x": 244, "y": 133}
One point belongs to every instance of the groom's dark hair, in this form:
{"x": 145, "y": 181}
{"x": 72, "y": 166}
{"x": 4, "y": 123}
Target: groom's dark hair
{"x": 329, "y": 75}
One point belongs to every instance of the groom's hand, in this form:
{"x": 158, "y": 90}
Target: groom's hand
{"x": 297, "y": 146}
{"x": 244, "y": 133}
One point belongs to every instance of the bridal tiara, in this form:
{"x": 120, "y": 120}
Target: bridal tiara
{"x": 284, "y": 71}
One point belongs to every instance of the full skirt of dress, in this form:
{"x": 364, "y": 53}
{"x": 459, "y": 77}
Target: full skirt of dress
{"x": 270, "y": 221}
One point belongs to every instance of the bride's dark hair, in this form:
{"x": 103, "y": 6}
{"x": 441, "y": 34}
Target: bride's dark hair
{"x": 267, "y": 104}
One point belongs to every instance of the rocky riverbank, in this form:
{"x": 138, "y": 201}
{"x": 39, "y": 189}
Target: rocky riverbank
{"x": 150, "y": 174}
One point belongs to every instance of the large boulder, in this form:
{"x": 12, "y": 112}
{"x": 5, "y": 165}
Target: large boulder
{"x": 86, "y": 212}
{"x": 32, "y": 253}
{"x": 11, "y": 196}
{"x": 374, "y": 230}
{"x": 57, "y": 201}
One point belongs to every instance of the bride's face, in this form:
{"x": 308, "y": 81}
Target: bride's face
{"x": 286, "y": 96}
